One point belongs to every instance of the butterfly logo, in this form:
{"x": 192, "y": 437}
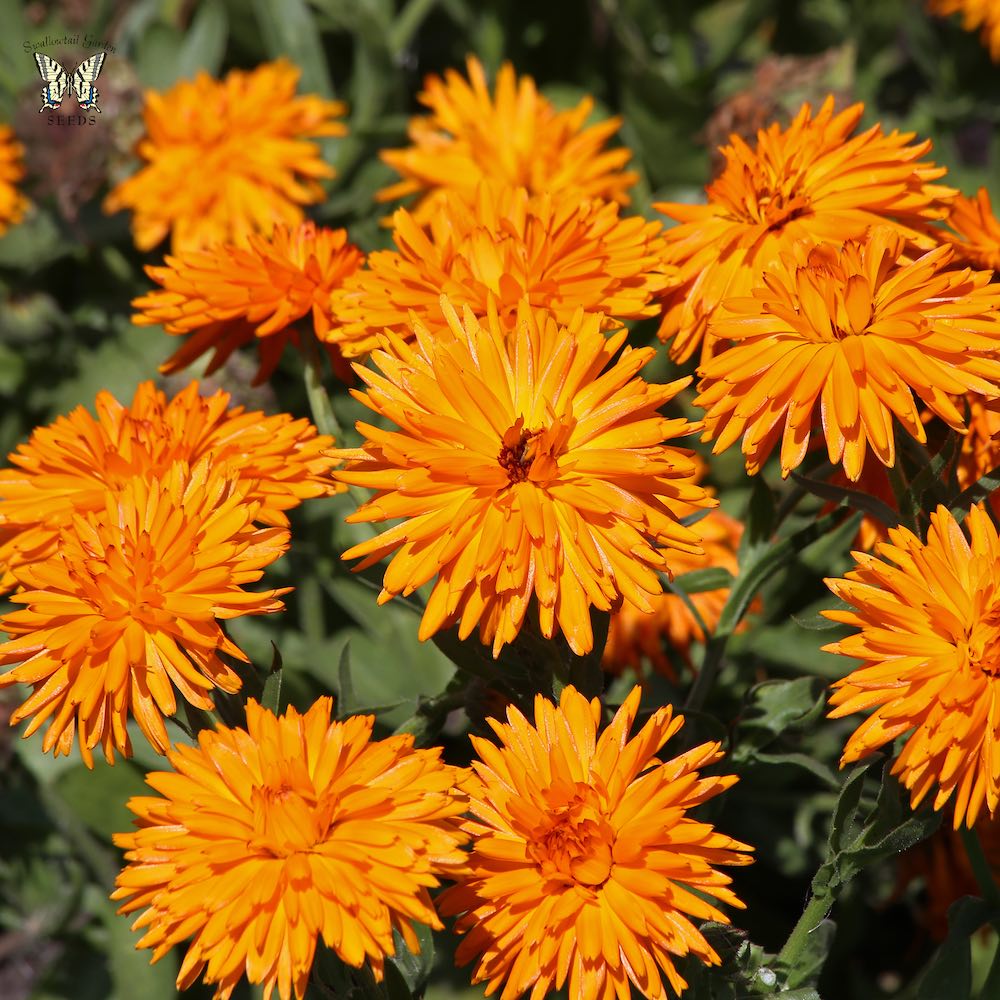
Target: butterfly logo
{"x": 82, "y": 81}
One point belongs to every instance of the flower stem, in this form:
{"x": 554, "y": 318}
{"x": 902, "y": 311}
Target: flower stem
{"x": 813, "y": 915}
{"x": 319, "y": 399}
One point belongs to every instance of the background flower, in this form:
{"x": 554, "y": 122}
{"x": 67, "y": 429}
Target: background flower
{"x": 529, "y": 463}
{"x": 126, "y": 613}
{"x": 585, "y": 868}
{"x": 516, "y": 136}
{"x": 229, "y": 296}
{"x": 264, "y": 840}
{"x": 246, "y": 139}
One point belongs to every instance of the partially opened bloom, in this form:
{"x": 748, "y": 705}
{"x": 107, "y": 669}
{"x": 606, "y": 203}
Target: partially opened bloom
{"x": 559, "y": 252}
{"x": 977, "y": 230}
{"x": 525, "y": 463}
{"x": 813, "y": 181}
{"x": 12, "y": 202}
{"x": 981, "y": 14}
{"x": 69, "y": 466}
{"x": 124, "y": 616}
{"x": 228, "y": 296}
{"x": 226, "y": 158}
{"x": 515, "y": 136}
{"x": 928, "y": 621}
{"x": 263, "y": 840}
{"x": 860, "y": 331}
{"x": 635, "y": 636}
{"x": 585, "y": 866}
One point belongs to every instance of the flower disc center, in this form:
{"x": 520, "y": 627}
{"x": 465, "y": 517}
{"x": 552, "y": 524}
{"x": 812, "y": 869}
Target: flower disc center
{"x": 518, "y": 452}
{"x": 576, "y": 843}
{"x": 285, "y": 821}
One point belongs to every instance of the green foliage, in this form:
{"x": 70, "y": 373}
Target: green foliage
{"x": 823, "y": 887}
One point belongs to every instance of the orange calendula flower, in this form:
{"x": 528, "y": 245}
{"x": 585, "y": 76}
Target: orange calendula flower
{"x": 228, "y": 296}
{"x": 262, "y": 840}
{"x": 585, "y": 867}
{"x": 813, "y": 181}
{"x": 247, "y": 141}
{"x": 978, "y": 230}
{"x": 69, "y": 466}
{"x": 634, "y": 636}
{"x": 124, "y": 615}
{"x": 928, "y": 620}
{"x": 981, "y": 14}
{"x": 12, "y": 202}
{"x": 858, "y": 330}
{"x": 559, "y": 252}
{"x": 528, "y": 462}
{"x": 516, "y": 137}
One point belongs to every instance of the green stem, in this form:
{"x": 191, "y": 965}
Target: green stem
{"x": 319, "y": 399}
{"x": 814, "y": 914}
{"x": 319, "y": 402}
{"x": 758, "y": 570}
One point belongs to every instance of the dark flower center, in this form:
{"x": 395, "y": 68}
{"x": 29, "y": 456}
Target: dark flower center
{"x": 517, "y": 452}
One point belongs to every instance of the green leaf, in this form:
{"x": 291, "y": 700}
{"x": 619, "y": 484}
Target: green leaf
{"x": 818, "y": 622}
{"x": 758, "y": 562}
{"x": 414, "y": 968}
{"x": 855, "y": 499}
{"x": 759, "y": 523}
{"x": 289, "y": 29}
{"x": 98, "y": 797}
{"x": 205, "y": 43}
{"x": 346, "y": 698}
{"x": 980, "y": 490}
{"x": 928, "y": 486}
{"x": 777, "y": 705}
{"x": 843, "y": 826}
{"x": 271, "y": 695}
{"x": 126, "y": 357}
{"x": 815, "y": 767}
{"x": 131, "y": 970}
{"x": 33, "y": 244}
{"x": 700, "y": 581}
{"x": 157, "y": 55}
{"x": 950, "y": 973}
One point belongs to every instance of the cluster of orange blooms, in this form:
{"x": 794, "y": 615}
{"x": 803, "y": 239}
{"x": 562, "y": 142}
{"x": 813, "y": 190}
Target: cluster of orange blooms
{"x": 531, "y": 478}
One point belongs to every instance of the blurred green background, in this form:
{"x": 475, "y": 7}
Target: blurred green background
{"x": 683, "y": 75}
